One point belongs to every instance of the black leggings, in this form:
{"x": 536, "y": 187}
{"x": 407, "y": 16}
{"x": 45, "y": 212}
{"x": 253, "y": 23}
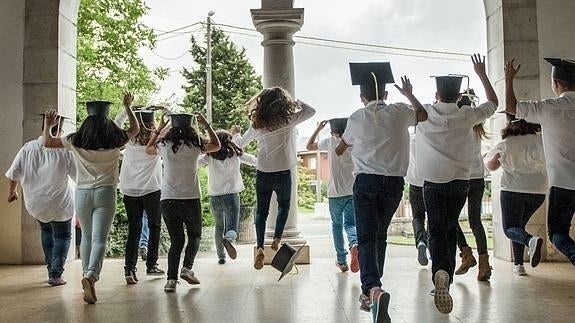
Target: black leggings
{"x": 179, "y": 215}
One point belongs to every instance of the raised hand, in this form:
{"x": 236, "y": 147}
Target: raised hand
{"x": 479, "y": 64}
{"x": 202, "y": 120}
{"x": 406, "y": 88}
{"x": 128, "y": 99}
{"x": 163, "y": 122}
{"x": 51, "y": 118}
{"x": 322, "y": 124}
{"x": 510, "y": 70}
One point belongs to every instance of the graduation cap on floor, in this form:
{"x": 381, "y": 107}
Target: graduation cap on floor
{"x": 371, "y": 76}
{"x": 563, "y": 69}
{"x": 450, "y": 85}
{"x": 285, "y": 258}
{"x": 98, "y": 108}
{"x": 181, "y": 120}
{"x": 338, "y": 125}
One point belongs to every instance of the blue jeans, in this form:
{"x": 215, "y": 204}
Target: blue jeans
{"x": 226, "y": 211}
{"x": 56, "y": 237}
{"x": 145, "y": 231}
{"x": 95, "y": 208}
{"x": 443, "y": 203}
{"x": 266, "y": 184}
{"x": 516, "y": 210}
{"x": 375, "y": 199}
{"x": 342, "y": 217}
{"x": 474, "y": 201}
{"x": 561, "y": 209}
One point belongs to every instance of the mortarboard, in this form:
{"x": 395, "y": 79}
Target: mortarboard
{"x": 563, "y": 69}
{"x": 144, "y": 116}
{"x": 98, "y": 108}
{"x": 338, "y": 125}
{"x": 449, "y": 84}
{"x": 61, "y": 120}
{"x": 467, "y": 98}
{"x": 371, "y": 74}
{"x": 181, "y": 120}
{"x": 285, "y": 258}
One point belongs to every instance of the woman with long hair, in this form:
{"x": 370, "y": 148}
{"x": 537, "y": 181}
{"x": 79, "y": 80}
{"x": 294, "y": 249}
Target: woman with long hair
{"x": 224, "y": 186}
{"x": 180, "y": 150}
{"x": 474, "y": 202}
{"x": 274, "y": 115}
{"x": 96, "y": 149}
{"x": 140, "y": 183}
{"x": 523, "y": 185}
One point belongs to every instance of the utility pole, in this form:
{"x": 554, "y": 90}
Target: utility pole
{"x": 209, "y": 67}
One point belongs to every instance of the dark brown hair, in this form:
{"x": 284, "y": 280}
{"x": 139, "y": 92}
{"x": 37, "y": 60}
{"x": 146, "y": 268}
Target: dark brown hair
{"x": 520, "y": 128}
{"x": 229, "y": 149}
{"x": 187, "y": 136}
{"x": 272, "y": 109}
{"x": 98, "y": 132}
{"x": 145, "y": 133}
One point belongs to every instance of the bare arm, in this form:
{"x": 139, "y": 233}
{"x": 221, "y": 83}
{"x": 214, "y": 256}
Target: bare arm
{"x": 479, "y": 67}
{"x": 151, "y": 148}
{"x": 134, "y": 128}
{"x": 407, "y": 90}
{"x": 510, "y": 98}
{"x": 494, "y": 163}
{"x": 13, "y": 194}
{"x": 341, "y": 148}
{"x": 50, "y": 121}
{"x": 214, "y": 144}
{"x": 311, "y": 144}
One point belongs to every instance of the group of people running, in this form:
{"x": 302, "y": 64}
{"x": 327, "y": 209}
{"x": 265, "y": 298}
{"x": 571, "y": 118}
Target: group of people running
{"x": 369, "y": 155}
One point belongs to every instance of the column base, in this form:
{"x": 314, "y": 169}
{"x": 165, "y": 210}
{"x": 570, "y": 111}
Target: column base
{"x": 303, "y": 259}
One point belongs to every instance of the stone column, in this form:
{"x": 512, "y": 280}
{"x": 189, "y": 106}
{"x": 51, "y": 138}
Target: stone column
{"x": 277, "y": 21}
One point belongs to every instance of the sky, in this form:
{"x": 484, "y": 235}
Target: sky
{"x": 322, "y": 74}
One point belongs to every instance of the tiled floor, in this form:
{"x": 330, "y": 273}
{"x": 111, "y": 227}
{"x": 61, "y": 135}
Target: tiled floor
{"x": 235, "y": 292}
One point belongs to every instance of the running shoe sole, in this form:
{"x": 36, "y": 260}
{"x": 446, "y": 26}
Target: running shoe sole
{"x": 422, "y": 255}
{"x": 441, "y": 298}
{"x": 354, "y": 263}
{"x": 380, "y": 312}
{"x": 191, "y": 280}
{"x": 536, "y": 257}
{"x": 89, "y": 291}
{"x": 230, "y": 249}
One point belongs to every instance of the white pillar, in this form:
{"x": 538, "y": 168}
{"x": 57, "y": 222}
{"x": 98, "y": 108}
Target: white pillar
{"x": 277, "y": 21}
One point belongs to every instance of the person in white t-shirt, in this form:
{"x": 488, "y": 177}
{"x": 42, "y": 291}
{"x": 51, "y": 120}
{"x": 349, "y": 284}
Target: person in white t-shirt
{"x": 340, "y": 192}
{"x": 557, "y": 119}
{"x": 180, "y": 150}
{"x": 474, "y": 201}
{"x": 274, "y": 115}
{"x": 523, "y": 185}
{"x": 96, "y": 149}
{"x": 43, "y": 174}
{"x": 140, "y": 181}
{"x": 444, "y": 145}
{"x": 379, "y": 136}
{"x": 224, "y": 186}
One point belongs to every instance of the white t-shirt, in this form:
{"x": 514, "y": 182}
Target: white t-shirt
{"x": 557, "y": 119}
{"x": 477, "y": 166}
{"x": 94, "y": 168}
{"x": 43, "y": 174}
{"x": 523, "y": 163}
{"x": 224, "y": 176}
{"x": 140, "y": 173}
{"x": 412, "y": 178}
{"x": 340, "y": 168}
{"x": 180, "y": 180}
{"x": 277, "y": 149}
{"x": 380, "y": 138}
{"x": 444, "y": 143}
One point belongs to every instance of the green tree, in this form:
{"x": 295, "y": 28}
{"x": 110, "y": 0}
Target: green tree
{"x": 110, "y": 34}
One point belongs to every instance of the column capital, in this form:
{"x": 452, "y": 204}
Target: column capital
{"x": 277, "y": 20}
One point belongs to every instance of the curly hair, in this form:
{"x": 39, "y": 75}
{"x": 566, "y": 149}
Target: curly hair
{"x": 98, "y": 132}
{"x": 520, "y": 128}
{"x": 145, "y": 133}
{"x": 229, "y": 149}
{"x": 187, "y": 136}
{"x": 272, "y": 109}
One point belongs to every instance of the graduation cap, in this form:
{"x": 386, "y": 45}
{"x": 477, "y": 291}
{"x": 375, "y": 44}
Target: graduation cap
{"x": 285, "y": 258}
{"x": 338, "y": 125}
{"x": 467, "y": 98}
{"x": 563, "y": 69}
{"x": 144, "y": 116}
{"x": 98, "y": 108}
{"x": 371, "y": 76}
{"x": 449, "y": 85}
{"x": 61, "y": 120}
{"x": 181, "y": 120}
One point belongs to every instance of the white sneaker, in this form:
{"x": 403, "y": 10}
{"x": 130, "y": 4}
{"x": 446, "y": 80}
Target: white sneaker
{"x": 170, "y": 286}
{"x": 442, "y": 298}
{"x": 519, "y": 270}
{"x": 188, "y": 275}
{"x": 535, "y": 244}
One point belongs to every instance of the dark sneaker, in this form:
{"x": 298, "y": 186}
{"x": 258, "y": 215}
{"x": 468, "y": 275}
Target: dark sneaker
{"x": 230, "y": 248}
{"x": 535, "y": 244}
{"x": 130, "y": 275}
{"x": 379, "y": 305}
{"x": 442, "y": 299}
{"x": 364, "y": 303}
{"x": 342, "y": 267}
{"x": 354, "y": 263}
{"x": 170, "y": 286}
{"x": 422, "y": 254}
{"x": 155, "y": 271}
{"x": 89, "y": 290}
{"x": 189, "y": 276}
{"x": 222, "y": 261}
{"x": 143, "y": 252}
{"x": 57, "y": 281}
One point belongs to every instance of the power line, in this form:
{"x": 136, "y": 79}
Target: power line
{"x": 178, "y": 29}
{"x": 170, "y": 58}
{"x": 180, "y": 34}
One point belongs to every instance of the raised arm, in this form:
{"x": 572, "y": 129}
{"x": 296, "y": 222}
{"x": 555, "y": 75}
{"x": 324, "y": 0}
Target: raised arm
{"x": 214, "y": 144}
{"x": 341, "y": 148}
{"x": 407, "y": 90}
{"x": 510, "y": 98}
{"x": 305, "y": 113}
{"x": 479, "y": 67}
{"x": 51, "y": 120}
{"x": 151, "y": 148}
{"x": 311, "y": 143}
{"x": 494, "y": 163}
{"x": 134, "y": 128}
